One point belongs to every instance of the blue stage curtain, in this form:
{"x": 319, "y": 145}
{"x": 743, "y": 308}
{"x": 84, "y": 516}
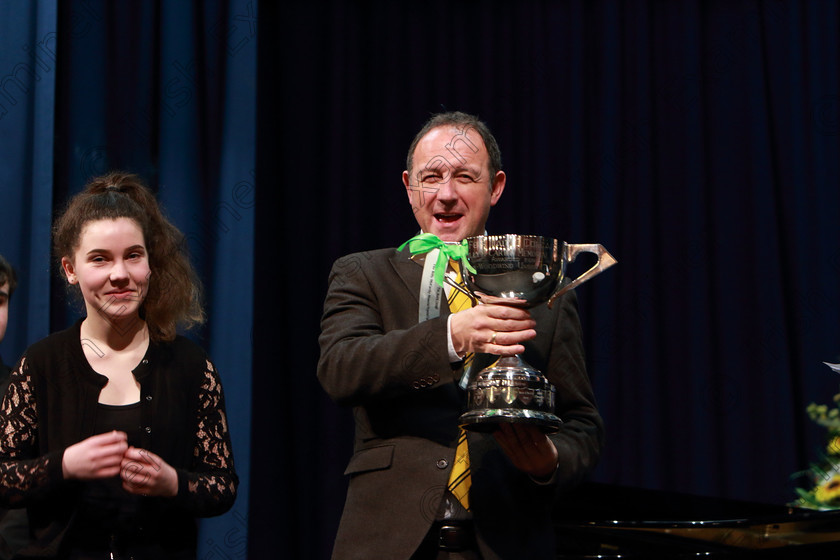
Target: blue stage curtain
{"x": 28, "y": 43}
{"x": 165, "y": 90}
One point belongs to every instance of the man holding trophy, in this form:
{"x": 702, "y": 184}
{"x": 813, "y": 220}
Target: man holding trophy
{"x": 404, "y": 333}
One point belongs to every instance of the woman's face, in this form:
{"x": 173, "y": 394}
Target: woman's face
{"x": 111, "y": 266}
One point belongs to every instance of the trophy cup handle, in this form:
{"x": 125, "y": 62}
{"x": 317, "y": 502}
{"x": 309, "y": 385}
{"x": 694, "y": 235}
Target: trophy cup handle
{"x": 605, "y": 261}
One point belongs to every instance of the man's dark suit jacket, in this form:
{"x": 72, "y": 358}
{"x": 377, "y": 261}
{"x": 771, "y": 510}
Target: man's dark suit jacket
{"x": 397, "y": 375}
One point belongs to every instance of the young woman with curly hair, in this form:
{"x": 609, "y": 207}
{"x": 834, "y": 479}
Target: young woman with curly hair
{"x": 113, "y": 433}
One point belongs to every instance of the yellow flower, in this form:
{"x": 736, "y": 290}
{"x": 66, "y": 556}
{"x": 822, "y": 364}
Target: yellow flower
{"x": 829, "y": 490}
{"x": 834, "y": 446}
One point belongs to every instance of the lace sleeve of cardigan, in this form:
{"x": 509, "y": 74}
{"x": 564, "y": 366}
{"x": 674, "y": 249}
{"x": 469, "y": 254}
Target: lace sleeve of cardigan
{"x": 22, "y": 473}
{"x": 211, "y": 482}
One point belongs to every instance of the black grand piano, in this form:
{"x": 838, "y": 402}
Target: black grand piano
{"x": 607, "y": 521}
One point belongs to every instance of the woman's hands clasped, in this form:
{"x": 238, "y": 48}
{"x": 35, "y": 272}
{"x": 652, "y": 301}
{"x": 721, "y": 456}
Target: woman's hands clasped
{"x": 107, "y": 455}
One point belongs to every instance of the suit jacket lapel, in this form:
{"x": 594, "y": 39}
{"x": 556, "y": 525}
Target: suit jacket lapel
{"x": 409, "y": 271}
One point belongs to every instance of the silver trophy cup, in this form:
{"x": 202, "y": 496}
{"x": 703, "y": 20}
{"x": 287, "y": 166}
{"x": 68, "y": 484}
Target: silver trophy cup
{"x": 525, "y": 271}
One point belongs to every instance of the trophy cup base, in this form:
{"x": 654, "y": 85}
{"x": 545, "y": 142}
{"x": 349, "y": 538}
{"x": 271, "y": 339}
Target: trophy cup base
{"x": 488, "y": 420}
{"x": 509, "y": 391}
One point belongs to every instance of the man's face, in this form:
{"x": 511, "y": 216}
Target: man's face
{"x": 450, "y": 188}
{"x": 4, "y": 309}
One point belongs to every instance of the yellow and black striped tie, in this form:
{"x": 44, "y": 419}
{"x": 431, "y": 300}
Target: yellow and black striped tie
{"x": 459, "y": 478}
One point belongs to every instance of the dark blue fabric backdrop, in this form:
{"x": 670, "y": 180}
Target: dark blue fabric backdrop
{"x": 165, "y": 90}
{"x": 28, "y": 42}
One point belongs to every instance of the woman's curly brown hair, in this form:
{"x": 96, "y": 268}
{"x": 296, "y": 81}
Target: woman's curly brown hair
{"x": 174, "y": 292}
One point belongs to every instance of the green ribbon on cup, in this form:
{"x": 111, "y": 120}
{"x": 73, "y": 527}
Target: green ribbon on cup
{"x": 425, "y": 242}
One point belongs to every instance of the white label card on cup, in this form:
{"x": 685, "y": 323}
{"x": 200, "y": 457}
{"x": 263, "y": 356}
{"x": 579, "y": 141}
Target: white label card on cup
{"x": 430, "y": 292}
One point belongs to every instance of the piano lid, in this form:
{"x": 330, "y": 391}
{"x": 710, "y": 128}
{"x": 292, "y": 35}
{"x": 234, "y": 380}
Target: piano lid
{"x": 609, "y": 521}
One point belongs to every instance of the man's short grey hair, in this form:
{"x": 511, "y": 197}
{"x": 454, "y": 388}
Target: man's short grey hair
{"x": 462, "y": 122}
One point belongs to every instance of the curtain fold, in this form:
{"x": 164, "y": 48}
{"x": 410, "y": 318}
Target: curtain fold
{"x": 28, "y": 44}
